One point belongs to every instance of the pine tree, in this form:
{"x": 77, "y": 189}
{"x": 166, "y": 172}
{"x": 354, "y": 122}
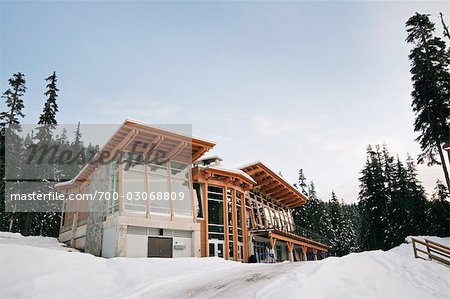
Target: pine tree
{"x": 373, "y": 202}
{"x": 46, "y": 223}
{"x": 431, "y": 95}
{"x": 438, "y": 212}
{"x": 417, "y": 201}
{"x": 335, "y": 222}
{"x": 302, "y": 182}
{"x": 13, "y": 97}
{"x": 48, "y": 115}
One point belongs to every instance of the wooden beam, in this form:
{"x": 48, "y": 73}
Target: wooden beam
{"x": 265, "y": 182}
{"x": 269, "y": 186}
{"x": 199, "y": 153}
{"x": 175, "y": 150}
{"x": 253, "y": 171}
{"x": 153, "y": 146}
{"x": 126, "y": 140}
{"x": 277, "y": 190}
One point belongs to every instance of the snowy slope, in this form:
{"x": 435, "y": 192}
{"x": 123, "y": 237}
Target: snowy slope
{"x": 35, "y": 267}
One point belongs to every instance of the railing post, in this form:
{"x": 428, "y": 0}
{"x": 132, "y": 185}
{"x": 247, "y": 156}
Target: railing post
{"x": 413, "y": 241}
{"x": 428, "y": 250}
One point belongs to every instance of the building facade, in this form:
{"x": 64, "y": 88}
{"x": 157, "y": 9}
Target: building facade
{"x": 162, "y": 198}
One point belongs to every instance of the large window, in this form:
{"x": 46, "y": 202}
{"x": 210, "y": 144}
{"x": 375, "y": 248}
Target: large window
{"x": 134, "y": 190}
{"x": 198, "y": 200}
{"x": 182, "y": 203}
{"x": 165, "y": 183}
{"x": 158, "y": 186}
{"x": 181, "y": 188}
{"x": 215, "y": 213}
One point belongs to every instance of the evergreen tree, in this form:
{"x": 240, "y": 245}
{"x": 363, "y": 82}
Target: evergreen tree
{"x": 46, "y": 223}
{"x": 14, "y": 101}
{"x": 48, "y": 115}
{"x": 372, "y": 203}
{"x": 302, "y": 182}
{"x": 334, "y": 214}
{"x": 416, "y": 201}
{"x": 13, "y": 97}
{"x": 438, "y": 212}
{"x": 431, "y": 95}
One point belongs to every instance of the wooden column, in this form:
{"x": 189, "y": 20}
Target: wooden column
{"x": 304, "y": 249}
{"x": 205, "y": 217}
{"x": 225, "y": 224}
{"x": 315, "y": 254}
{"x": 147, "y": 189}
{"x": 244, "y": 226}
{"x": 169, "y": 173}
{"x": 234, "y": 213}
{"x": 272, "y": 242}
{"x": 74, "y": 226}
{"x": 121, "y": 182}
{"x": 291, "y": 251}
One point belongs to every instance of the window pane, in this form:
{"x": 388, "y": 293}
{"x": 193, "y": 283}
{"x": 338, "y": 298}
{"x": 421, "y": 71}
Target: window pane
{"x": 158, "y": 187}
{"x": 157, "y": 166}
{"x": 113, "y": 203}
{"x": 215, "y": 212}
{"x": 182, "y": 205}
{"x": 198, "y": 200}
{"x": 133, "y": 191}
{"x": 179, "y": 170}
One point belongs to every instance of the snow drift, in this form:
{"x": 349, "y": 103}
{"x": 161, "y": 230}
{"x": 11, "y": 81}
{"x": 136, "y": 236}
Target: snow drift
{"x": 37, "y": 267}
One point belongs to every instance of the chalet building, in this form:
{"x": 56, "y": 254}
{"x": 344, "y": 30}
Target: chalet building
{"x": 242, "y": 214}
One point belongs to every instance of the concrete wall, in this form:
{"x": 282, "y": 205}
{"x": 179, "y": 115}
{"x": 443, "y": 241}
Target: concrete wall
{"x": 97, "y": 210}
{"x": 109, "y": 242}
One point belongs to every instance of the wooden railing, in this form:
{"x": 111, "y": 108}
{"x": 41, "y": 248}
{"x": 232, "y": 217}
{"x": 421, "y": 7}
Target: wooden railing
{"x": 434, "y": 251}
{"x": 296, "y": 230}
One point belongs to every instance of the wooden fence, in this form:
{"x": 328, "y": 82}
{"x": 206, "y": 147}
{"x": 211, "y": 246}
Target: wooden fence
{"x": 434, "y": 251}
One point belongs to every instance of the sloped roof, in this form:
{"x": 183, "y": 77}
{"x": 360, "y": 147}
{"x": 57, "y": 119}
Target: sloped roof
{"x": 273, "y": 185}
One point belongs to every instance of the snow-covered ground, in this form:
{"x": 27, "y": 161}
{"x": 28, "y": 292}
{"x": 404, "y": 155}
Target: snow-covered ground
{"x": 36, "y": 267}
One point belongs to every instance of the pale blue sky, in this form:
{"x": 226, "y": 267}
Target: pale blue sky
{"x": 293, "y": 84}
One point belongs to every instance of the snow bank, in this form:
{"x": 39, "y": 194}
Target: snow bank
{"x": 28, "y": 270}
{"x": 45, "y": 242}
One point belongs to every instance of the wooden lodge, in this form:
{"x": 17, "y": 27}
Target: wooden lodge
{"x": 165, "y": 199}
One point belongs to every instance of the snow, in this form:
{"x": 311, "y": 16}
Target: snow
{"x": 36, "y": 267}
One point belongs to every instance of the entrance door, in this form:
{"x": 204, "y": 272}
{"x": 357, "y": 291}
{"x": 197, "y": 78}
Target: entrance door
{"x": 216, "y": 248}
{"x": 159, "y": 247}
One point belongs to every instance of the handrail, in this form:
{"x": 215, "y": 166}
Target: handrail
{"x": 298, "y": 231}
{"x": 434, "y": 250}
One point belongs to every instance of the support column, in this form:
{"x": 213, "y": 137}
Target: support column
{"x": 205, "y": 218}
{"x": 121, "y": 196}
{"x": 244, "y": 226}
{"x": 291, "y": 251}
{"x": 225, "y": 224}
{"x": 304, "y": 249}
{"x": 315, "y": 254}
{"x": 272, "y": 243}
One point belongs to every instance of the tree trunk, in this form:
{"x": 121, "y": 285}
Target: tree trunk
{"x": 444, "y": 165}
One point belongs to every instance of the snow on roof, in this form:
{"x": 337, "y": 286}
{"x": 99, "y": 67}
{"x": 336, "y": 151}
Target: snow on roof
{"x": 233, "y": 170}
{"x": 215, "y": 157}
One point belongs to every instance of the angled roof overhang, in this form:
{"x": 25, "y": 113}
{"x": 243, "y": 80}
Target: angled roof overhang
{"x": 273, "y": 185}
{"x": 225, "y": 176}
{"x": 141, "y": 138}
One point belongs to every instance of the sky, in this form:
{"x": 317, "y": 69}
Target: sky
{"x": 296, "y": 85}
